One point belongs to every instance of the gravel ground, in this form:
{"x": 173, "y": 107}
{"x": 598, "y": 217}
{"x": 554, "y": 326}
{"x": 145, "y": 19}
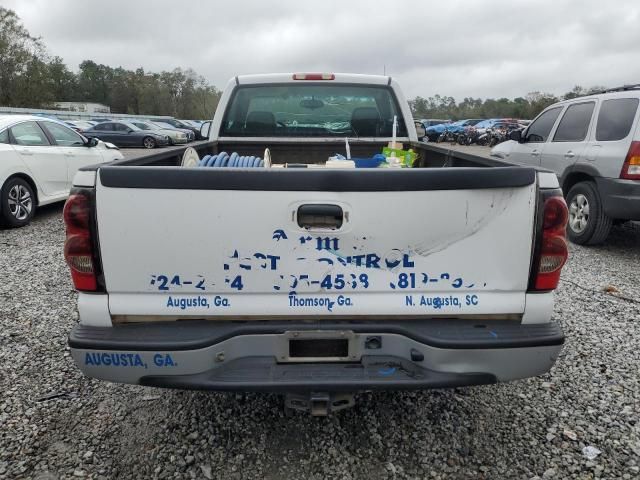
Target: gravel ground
{"x": 56, "y": 424}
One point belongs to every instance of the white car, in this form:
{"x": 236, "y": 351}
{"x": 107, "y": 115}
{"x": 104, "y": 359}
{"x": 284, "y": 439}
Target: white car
{"x": 38, "y": 160}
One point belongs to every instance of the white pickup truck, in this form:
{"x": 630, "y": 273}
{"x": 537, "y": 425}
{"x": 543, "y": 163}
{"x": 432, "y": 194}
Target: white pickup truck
{"x": 314, "y": 282}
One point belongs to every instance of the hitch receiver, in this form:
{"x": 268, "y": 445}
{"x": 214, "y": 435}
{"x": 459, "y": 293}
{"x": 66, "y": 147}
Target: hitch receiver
{"x": 318, "y": 404}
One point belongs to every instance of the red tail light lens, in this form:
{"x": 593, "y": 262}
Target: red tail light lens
{"x": 78, "y": 247}
{"x": 314, "y": 76}
{"x": 556, "y": 215}
{"x": 554, "y": 250}
{"x": 76, "y": 212}
{"x": 631, "y": 166}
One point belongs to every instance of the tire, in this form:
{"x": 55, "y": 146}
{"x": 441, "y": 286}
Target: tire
{"x": 148, "y": 142}
{"x": 588, "y": 224}
{"x": 17, "y": 203}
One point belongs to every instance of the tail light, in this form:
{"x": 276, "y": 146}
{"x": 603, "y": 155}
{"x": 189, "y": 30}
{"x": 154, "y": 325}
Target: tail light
{"x": 631, "y": 166}
{"x": 553, "y": 251}
{"x": 78, "y": 246}
{"x": 314, "y": 76}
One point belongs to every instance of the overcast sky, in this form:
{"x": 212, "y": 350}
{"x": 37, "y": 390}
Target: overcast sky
{"x": 460, "y": 48}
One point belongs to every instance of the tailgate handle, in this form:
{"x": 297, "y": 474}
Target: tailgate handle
{"x": 320, "y": 215}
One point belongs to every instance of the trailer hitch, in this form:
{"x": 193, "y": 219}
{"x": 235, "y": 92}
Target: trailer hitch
{"x": 318, "y": 404}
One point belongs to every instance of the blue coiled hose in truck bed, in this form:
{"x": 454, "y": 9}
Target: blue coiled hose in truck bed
{"x": 223, "y": 159}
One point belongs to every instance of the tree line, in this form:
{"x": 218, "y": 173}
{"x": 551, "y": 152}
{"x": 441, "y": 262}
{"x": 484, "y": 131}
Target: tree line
{"x": 526, "y": 107}
{"x": 30, "y": 78}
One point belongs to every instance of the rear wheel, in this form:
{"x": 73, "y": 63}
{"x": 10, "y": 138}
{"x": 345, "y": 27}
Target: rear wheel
{"x": 588, "y": 224}
{"x": 148, "y": 142}
{"x": 17, "y": 202}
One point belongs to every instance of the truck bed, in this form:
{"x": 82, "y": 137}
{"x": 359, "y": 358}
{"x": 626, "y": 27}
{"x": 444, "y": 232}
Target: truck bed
{"x": 429, "y": 155}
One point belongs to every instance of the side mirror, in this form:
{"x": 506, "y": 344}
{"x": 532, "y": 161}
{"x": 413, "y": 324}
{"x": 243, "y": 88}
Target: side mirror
{"x": 91, "y": 142}
{"x": 129, "y": 130}
{"x": 420, "y": 130}
{"x": 204, "y": 129}
{"x": 516, "y": 135}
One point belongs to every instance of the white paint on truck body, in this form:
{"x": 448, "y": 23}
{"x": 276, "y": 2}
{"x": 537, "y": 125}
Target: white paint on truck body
{"x": 241, "y": 253}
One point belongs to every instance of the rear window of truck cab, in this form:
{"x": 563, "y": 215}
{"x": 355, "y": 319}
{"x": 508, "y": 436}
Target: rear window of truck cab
{"x": 312, "y": 110}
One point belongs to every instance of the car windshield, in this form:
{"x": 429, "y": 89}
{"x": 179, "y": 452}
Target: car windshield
{"x": 172, "y": 123}
{"x": 144, "y": 126}
{"x": 312, "y": 110}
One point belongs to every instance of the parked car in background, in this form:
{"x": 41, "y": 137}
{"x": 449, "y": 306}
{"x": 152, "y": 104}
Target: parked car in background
{"x": 434, "y": 132}
{"x": 429, "y": 122}
{"x": 506, "y": 125}
{"x": 126, "y": 134}
{"x": 38, "y": 160}
{"x": 592, "y": 143}
{"x": 193, "y": 123}
{"x": 188, "y": 131}
{"x": 501, "y": 130}
{"x": 79, "y": 125}
{"x": 176, "y": 137}
{"x": 181, "y": 125}
{"x": 488, "y": 123}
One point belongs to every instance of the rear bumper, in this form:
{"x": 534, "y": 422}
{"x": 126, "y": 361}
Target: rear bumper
{"x": 621, "y": 198}
{"x": 243, "y": 356}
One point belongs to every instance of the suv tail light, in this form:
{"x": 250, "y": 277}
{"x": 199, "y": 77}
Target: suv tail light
{"x": 78, "y": 246}
{"x": 631, "y": 167}
{"x": 553, "y": 250}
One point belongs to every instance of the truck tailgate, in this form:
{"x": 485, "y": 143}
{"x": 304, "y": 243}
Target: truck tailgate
{"x": 228, "y": 243}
